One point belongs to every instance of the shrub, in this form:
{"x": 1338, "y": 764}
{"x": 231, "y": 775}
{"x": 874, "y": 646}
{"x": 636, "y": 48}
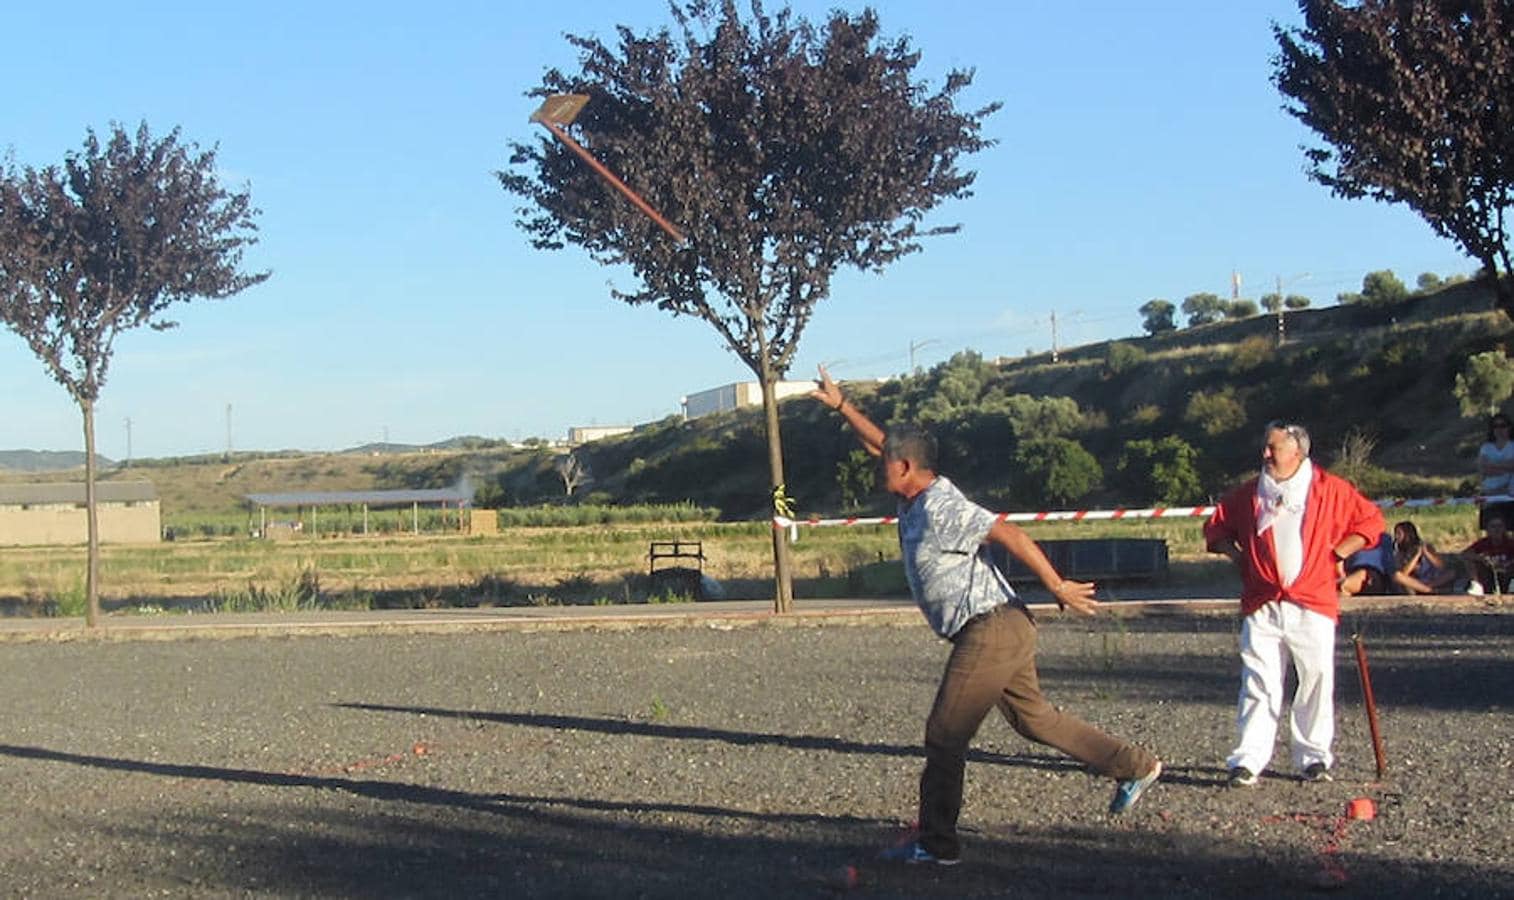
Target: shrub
{"x": 1156, "y": 316}
{"x": 1353, "y": 459}
{"x": 1161, "y": 471}
{"x": 1402, "y": 353}
{"x": 1487, "y": 381}
{"x": 1382, "y": 288}
{"x": 1143, "y": 416}
{"x": 1240, "y": 309}
{"x": 1250, "y": 353}
{"x": 1203, "y": 308}
{"x": 290, "y": 594}
{"x": 1121, "y": 357}
{"x": 556, "y": 516}
{"x": 1055, "y": 471}
{"x": 1214, "y": 413}
{"x": 856, "y": 475}
{"x": 1042, "y": 416}
{"x": 575, "y": 588}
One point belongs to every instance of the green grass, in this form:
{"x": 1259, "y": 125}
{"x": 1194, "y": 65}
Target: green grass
{"x": 579, "y": 565}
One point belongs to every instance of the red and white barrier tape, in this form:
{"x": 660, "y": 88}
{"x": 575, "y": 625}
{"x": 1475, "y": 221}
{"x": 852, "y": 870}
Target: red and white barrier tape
{"x": 782, "y": 523}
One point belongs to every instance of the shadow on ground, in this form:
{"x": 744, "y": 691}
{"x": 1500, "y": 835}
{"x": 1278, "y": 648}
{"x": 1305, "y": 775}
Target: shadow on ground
{"x": 399, "y": 839}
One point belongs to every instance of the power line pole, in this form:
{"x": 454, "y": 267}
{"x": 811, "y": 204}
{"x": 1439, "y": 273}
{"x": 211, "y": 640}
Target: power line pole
{"x": 916, "y": 345}
{"x": 1281, "y": 306}
{"x": 128, "y": 440}
{"x": 1281, "y": 335}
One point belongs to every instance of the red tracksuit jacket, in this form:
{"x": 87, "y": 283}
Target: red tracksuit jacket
{"x": 1334, "y": 509}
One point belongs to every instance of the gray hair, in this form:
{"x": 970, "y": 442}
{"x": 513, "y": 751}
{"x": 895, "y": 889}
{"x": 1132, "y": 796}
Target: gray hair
{"x": 911, "y": 442}
{"x": 1299, "y": 433}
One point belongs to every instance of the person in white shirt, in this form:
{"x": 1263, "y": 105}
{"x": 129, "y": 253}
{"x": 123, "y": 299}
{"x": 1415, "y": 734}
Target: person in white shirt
{"x": 1495, "y": 465}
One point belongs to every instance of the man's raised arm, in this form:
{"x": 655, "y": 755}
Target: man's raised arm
{"x": 868, "y": 433}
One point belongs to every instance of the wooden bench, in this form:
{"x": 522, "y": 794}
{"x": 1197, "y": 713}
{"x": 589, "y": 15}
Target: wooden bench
{"x": 669, "y": 572}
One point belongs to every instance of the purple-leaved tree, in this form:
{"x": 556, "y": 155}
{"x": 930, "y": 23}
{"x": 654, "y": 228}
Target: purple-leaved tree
{"x": 781, "y": 150}
{"x": 104, "y": 244}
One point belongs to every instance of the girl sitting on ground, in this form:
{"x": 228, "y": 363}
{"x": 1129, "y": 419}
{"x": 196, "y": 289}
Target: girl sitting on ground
{"x": 1421, "y": 570}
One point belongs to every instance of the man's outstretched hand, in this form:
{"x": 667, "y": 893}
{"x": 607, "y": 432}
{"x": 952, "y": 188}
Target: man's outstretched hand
{"x": 828, "y": 393}
{"x": 1077, "y": 596}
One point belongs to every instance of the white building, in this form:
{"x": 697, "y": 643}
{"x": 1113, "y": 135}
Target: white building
{"x": 734, "y": 396}
{"x": 583, "y": 434}
{"x": 54, "y": 513}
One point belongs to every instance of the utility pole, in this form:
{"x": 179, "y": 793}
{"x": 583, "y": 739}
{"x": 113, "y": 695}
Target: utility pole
{"x": 128, "y": 440}
{"x": 1053, "y": 336}
{"x": 916, "y": 345}
{"x": 1281, "y": 306}
{"x": 1281, "y": 334}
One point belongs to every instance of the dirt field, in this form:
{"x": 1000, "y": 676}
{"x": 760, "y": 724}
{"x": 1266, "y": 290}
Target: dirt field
{"x": 736, "y": 762}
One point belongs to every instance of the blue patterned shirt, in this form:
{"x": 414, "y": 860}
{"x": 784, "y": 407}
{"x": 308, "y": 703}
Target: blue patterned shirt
{"x": 950, "y": 573}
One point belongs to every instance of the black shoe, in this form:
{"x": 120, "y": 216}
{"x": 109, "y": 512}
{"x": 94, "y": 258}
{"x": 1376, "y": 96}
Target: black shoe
{"x": 1240, "y": 776}
{"x": 1317, "y": 772}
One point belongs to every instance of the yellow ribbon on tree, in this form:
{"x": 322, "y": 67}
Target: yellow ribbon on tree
{"x": 783, "y": 505}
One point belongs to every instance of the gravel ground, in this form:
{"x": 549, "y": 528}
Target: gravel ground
{"x": 745, "y": 762}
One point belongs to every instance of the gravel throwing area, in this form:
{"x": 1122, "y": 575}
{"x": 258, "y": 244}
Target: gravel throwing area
{"x": 728, "y": 762}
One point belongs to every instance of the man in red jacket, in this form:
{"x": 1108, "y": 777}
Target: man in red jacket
{"x": 1289, "y": 531}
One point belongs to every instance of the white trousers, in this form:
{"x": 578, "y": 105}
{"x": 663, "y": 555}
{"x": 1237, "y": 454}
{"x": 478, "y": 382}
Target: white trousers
{"x": 1273, "y": 638}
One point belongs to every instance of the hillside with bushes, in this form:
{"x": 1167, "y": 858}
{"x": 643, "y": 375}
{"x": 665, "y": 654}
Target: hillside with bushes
{"x": 1167, "y": 419}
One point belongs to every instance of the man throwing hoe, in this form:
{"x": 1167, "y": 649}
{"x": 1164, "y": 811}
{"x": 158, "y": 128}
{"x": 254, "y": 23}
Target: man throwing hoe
{"x": 944, "y": 540}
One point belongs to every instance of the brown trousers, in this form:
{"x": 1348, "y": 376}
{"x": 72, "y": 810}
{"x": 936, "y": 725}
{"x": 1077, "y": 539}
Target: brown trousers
{"x": 993, "y": 663}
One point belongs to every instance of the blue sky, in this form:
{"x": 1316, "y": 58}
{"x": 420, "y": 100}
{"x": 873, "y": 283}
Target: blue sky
{"x": 1142, "y": 153}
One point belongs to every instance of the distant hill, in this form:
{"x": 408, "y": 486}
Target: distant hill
{"x": 57, "y": 461}
{"x": 462, "y": 442}
{"x": 1378, "y": 376}
{"x": 47, "y": 460}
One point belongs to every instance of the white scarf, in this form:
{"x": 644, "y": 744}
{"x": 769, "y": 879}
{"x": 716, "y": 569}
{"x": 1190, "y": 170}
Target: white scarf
{"x": 1281, "y": 503}
{"x": 1276, "y": 496}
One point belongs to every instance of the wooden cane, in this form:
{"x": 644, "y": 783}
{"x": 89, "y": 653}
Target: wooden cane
{"x": 1366, "y": 679}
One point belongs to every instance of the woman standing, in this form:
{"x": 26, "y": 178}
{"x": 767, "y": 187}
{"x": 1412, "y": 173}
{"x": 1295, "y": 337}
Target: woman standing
{"x": 1495, "y": 463}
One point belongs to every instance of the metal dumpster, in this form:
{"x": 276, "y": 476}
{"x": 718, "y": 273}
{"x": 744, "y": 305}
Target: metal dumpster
{"x": 1093, "y": 559}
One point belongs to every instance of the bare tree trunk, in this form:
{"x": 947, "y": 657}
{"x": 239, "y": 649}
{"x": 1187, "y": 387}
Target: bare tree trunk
{"x": 92, "y": 567}
{"x": 783, "y": 598}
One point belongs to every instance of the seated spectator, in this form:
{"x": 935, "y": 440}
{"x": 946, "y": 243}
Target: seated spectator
{"x": 1493, "y": 556}
{"x": 1417, "y": 567}
{"x": 1368, "y": 569}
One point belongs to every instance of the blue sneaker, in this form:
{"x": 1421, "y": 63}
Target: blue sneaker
{"x": 1126, "y": 793}
{"x": 914, "y": 854}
